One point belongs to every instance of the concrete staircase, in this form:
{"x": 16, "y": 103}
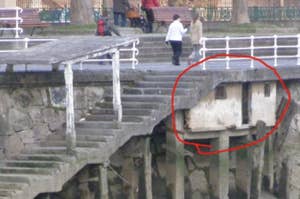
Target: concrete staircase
{"x": 46, "y": 166}
{"x": 153, "y": 49}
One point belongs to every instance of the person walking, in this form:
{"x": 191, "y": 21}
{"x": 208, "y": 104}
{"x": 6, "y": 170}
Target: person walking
{"x": 119, "y": 8}
{"x": 196, "y": 35}
{"x": 174, "y": 37}
{"x": 147, "y": 6}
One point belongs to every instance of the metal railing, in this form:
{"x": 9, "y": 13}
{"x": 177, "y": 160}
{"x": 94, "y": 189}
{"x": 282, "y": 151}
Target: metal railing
{"x": 21, "y": 43}
{"x": 17, "y": 19}
{"x": 247, "y": 46}
{"x": 133, "y": 50}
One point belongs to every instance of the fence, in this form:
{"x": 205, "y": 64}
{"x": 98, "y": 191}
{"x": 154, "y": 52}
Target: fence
{"x": 11, "y": 14}
{"x": 248, "y": 46}
{"x": 256, "y": 14}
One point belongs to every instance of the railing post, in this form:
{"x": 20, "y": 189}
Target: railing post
{"x": 117, "y": 105}
{"x": 26, "y": 40}
{"x": 204, "y": 52}
{"x": 227, "y": 52}
{"x": 298, "y": 50}
{"x": 70, "y": 121}
{"x": 275, "y": 50}
{"x": 252, "y": 51}
{"x": 133, "y": 54}
{"x": 17, "y": 23}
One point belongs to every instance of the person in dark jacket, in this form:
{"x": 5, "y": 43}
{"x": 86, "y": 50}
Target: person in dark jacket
{"x": 147, "y": 6}
{"x": 119, "y": 8}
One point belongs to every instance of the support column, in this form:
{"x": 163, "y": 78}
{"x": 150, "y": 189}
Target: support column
{"x": 103, "y": 181}
{"x": 175, "y": 159}
{"x": 148, "y": 169}
{"x": 117, "y": 104}
{"x": 219, "y": 168}
{"x": 268, "y": 172}
{"x": 243, "y": 170}
{"x": 257, "y": 155}
{"x": 131, "y": 174}
{"x": 70, "y": 121}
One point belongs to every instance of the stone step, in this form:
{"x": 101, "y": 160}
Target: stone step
{"x": 31, "y": 163}
{"x": 13, "y": 186}
{"x": 172, "y": 78}
{"x": 158, "y": 59}
{"x": 98, "y": 124}
{"x": 126, "y": 118}
{"x": 46, "y": 150}
{"x": 26, "y": 170}
{"x": 84, "y": 137}
{"x": 8, "y": 193}
{"x": 162, "y": 84}
{"x": 106, "y": 124}
{"x": 97, "y": 131}
{"x": 82, "y": 144}
{"x": 43, "y": 157}
{"x": 142, "y": 98}
{"x": 155, "y": 91}
{"x": 14, "y": 178}
{"x": 130, "y": 105}
{"x": 108, "y": 111}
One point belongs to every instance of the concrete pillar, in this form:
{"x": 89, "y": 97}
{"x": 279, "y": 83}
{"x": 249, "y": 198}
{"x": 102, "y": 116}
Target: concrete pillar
{"x": 243, "y": 170}
{"x": 83, "y": 187}
{"x": 148, "y": 169}
{"x": 219, "y": 168}
{"x": 268, "y": 172}
{"x": 175, "y": 159}
{"x": 132, "y": 175}
{"x": 257, "y": 159}
{"x": 103, "y": 181}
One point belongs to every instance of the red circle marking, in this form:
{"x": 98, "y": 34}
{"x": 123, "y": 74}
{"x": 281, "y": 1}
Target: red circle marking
{"x": 198, "y": 146}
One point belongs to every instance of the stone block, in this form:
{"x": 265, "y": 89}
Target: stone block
{"x": 54, "y": 118}
{"x": 22, "y": 98}
{"x": 199, "y": 182}
{"x": 4, "y": 125}
{"x": 13, "y": 145}
{"x": 19, "y": 120}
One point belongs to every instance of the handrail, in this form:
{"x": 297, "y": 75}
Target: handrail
{"x": 26, "y": 41}
{"x": 251, "y": 48}
{"x": 17, "y": 20}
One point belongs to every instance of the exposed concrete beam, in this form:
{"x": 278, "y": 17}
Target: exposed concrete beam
{"x": 219, "y": 168}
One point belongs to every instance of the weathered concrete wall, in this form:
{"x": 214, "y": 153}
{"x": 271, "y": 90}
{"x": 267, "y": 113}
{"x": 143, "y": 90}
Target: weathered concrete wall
{"x": 263, "y": 107}
{"x": 222, "y": 112}
{"x": 31, "y": 114}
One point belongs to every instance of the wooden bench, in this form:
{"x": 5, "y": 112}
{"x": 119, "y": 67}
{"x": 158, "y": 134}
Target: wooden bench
{"x": 164, "y": 15}
{"x": 31, "y": 19}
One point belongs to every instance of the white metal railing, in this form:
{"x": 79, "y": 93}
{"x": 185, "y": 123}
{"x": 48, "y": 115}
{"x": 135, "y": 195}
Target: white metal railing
{"x": 17, "y": 19}
{"x": 24, "y": 43}
{"x": 251, "y": 48}
{"x": 134, "y": 53}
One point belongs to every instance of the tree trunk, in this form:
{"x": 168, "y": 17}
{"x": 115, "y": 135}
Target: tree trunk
{"x": 82, "y": 12}
{"x": 240, "y": 12}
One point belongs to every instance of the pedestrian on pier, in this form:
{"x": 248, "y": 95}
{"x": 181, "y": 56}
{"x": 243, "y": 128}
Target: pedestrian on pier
{"x": 174, "y": 37}
{"x": 147, "y": 6}
{"x": 196, "y": 35}
{"x": 119, "y": 8}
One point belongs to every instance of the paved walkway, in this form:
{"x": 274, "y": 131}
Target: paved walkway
{"x": 210, "y": 66}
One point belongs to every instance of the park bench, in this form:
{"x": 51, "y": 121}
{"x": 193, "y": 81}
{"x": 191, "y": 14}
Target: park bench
{"x": 30, "y": 17}
{"x": 163, "y": 16}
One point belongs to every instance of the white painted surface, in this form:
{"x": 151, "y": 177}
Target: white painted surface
{"x": 211, "y": 114}
{"x": 263, "y": 108}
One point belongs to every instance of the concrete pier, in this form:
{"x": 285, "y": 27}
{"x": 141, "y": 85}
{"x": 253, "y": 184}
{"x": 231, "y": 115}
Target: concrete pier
{"x": 243, "y": 170}
{"x": 175, "y": 159}
{"x": 219, "y": 168}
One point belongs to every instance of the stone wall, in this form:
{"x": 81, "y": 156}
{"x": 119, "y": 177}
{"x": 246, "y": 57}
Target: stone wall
{"x": 29, "y": 115}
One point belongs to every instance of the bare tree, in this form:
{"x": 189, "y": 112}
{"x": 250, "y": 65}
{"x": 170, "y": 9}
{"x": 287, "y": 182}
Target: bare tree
{"x": 240, "y": 12}
{"x": 82, "y": 12}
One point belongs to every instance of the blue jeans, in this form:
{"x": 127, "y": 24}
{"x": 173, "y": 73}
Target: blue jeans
{"x": 116, "y": 19}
